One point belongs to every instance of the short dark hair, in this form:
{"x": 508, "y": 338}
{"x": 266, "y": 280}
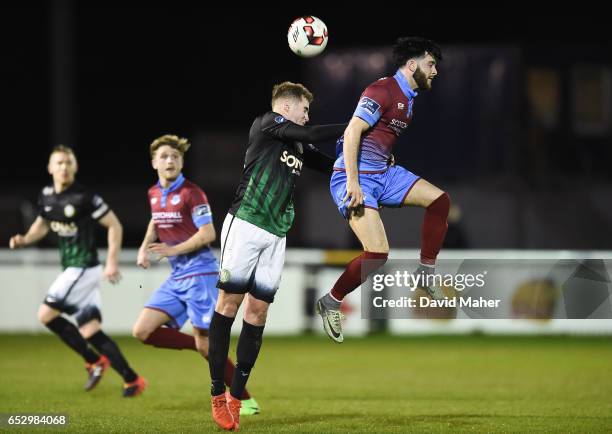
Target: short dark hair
{"x": 288, "y": 89}
{"x": 410, "y": 47}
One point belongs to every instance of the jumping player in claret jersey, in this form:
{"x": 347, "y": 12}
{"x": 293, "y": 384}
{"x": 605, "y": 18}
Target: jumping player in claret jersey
{"x": 365, "y": 177}
{"x": 181, "y": 220}
{"x": 73, "y": 212}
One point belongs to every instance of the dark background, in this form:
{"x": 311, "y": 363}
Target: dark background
{"x": 107, "y": 79}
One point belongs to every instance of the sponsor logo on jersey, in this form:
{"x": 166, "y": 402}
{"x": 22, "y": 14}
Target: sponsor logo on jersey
{"x": 166, "y": 218}
{"x": 64, "y": 229}
{"x": 153, "y": 200}
{"x": 279, "y": 119}
{"x": 400, "y": 106}
{"x": 369, "y": 105}
{"x": 399, "y": 123}
{"x": 398, "y": 126}
{"x": 292, "y": 161}
{"x": 175, "y": 199}
{"x": 202, "y": 210}
{"x": 69, "y": 211}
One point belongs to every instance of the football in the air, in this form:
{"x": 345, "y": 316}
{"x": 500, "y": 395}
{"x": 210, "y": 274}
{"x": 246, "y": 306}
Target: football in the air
{"x": 307, "y": 36}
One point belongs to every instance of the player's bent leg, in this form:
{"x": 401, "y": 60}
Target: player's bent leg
{"x": 148, "y": 321}
{"x": 70, "y": 335}
{"x": 149, "y": 330}
{"x": 422, "y": 194}
{"x": 433, "y": 231}
{"x": 95, "y": 370}
{"x": 90, "y": 326}
{"x": 369, "y": 229}
{"x": 47, "y": 313}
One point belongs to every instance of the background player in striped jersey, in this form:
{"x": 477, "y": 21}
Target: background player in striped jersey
{"x": 72, "y": 211}
{"x": 364, "y": 178}
{"x": 182, "y": 222}
{"x": 253, "y": 234}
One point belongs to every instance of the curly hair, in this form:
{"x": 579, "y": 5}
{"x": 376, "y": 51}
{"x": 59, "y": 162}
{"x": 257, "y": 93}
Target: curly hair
{"x": 411, "y": 47}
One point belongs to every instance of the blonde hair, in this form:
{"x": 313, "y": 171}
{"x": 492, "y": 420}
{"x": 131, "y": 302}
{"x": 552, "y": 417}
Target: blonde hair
{"x": 181, "y": 144}
{"x": 288, "y": 89}
{"x": 63, "y": 149}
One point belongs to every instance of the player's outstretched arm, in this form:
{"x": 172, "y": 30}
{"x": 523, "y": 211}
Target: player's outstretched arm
{"x": 204, "y": 236}
{"x": 352, "y": 139}
{"x": 115, "y": 237}
{"x": 37, "y": 232}
{"x": 309, "y": 134}
{"x": 316, "y": 160}
{"x": 149, "y": 238}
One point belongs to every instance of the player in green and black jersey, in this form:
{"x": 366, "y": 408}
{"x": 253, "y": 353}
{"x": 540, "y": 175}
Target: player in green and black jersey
{"x": 253, "y": 234}
{"x": 73, "y": 212}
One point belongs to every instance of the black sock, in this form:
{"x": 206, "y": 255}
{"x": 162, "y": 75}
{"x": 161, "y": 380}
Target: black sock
{"x": 218, "y": 347}
{"x": 71, "y": 336}
{"x": 109, "y": 348}
{"x": 249, "y": 344}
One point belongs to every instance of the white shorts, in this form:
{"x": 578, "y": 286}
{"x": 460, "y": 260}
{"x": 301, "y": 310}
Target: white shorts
{"x": 77, "y": 292}
{"x": 252, "y": 259}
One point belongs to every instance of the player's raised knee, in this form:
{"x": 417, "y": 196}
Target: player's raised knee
{"x": 46, "y": 314}
{"x": 442, "y": 202}
{"x": 380, "y": 247}
{"x": 141, "y": 333}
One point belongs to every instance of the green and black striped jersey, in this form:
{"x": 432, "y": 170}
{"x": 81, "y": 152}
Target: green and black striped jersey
{"x": 276, "y": 153}
{"x": 73, "y": 215}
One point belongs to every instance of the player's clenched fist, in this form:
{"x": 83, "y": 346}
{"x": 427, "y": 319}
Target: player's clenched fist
{"x": 17, "y": 241}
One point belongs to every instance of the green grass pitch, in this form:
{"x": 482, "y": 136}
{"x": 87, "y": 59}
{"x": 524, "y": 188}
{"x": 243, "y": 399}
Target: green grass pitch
{"x": 309, "y": 384}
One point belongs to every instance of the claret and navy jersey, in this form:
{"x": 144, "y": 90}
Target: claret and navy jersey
{"x": 386, "y": 105}
{"x": 178, "y": 212}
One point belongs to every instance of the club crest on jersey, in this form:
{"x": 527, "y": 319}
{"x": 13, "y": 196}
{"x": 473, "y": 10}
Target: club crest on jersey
{"x": 279, "y": 119}
{"x": 153, "y": 200}
{"x": 47, "y": 191}
{"x": 369, "y": 105}
{"x": 300, "y": 148}
{"x": 69, "y": 211}
{"x": 224, "y": 276}
{"x": 175, "y": 199}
